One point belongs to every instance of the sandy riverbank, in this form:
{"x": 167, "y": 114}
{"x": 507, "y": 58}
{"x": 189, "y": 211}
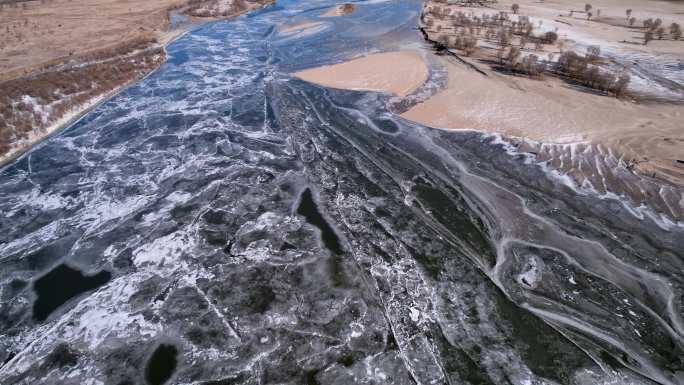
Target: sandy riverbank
{"x": 551, "y": 111}
{"x": 399, "y": 73}
{"x": 595, "y": 139}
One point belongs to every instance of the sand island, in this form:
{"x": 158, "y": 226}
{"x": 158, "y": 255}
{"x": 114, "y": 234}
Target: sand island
{"x": 398, "y": 73}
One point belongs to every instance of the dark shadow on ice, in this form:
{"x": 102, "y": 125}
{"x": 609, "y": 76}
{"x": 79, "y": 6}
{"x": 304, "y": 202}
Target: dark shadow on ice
{"x": 308, "y": 209}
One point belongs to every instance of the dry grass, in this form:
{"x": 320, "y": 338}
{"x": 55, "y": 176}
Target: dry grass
{"x": 49, "y": 32}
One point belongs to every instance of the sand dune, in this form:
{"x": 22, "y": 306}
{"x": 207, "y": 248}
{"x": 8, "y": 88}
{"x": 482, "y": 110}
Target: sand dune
{"x": 398, "y": 73}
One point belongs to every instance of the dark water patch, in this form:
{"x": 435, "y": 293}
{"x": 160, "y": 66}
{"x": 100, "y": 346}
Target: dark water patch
{"x": 311, "y": 377}
{"x": 8, "y": 359}
{"x": 161, "y": 365}
{"x": 346, "y": 361}
{"x": 308, "y": 209}
{"x": 60, "y": 285}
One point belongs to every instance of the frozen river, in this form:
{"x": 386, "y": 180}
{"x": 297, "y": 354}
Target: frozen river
{"x": 220, "y": 222}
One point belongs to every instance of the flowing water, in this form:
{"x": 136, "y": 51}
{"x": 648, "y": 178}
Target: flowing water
{"x": 223, "y": 223}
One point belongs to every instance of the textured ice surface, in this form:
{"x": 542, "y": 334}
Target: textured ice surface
{"x": 457, "y": 263}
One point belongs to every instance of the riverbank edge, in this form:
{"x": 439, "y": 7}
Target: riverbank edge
{"x": 77, "y": 113}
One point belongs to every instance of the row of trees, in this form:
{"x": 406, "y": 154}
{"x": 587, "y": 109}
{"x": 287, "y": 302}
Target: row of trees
{"x": 32, "y": 103}
{"x": 460, "y": 31}
{"x": 580, "y": 68}
{"x": 497, "y": 26}
{"x": 654, "y": 28}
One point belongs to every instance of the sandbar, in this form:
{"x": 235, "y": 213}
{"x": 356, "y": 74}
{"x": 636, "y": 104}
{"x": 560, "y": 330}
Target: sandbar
{"x": 399, "y": 73}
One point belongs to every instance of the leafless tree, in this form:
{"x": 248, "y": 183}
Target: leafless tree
{"x": 515, "y": 7}
{"x": 648, "y": 36}
{"x": 648, "y": 23}
{"x": 531, "y": 65}
{"x": 675, "y": 31}
{"x": 528, "y": 29}
{"x": 513, "y": 56}
{"x": 593, "y": 53}
{"x": 620, "y": 86}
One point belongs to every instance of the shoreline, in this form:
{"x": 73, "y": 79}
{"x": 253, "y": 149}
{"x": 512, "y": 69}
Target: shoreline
{"x": 76, "y": 114}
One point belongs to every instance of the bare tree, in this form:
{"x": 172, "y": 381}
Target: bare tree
{"x": 515, "y": 7}
{"x": 531, "y": 65}
{"x": 648, "y": 36}
{"x": 513, "y": 56}
{"x": 593, "y": 53}
{"x": 648, "y": 23}
{"x": 675, "y": 31}
{"x": 561, "y": 46}
{"x": 620, "y": 86}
